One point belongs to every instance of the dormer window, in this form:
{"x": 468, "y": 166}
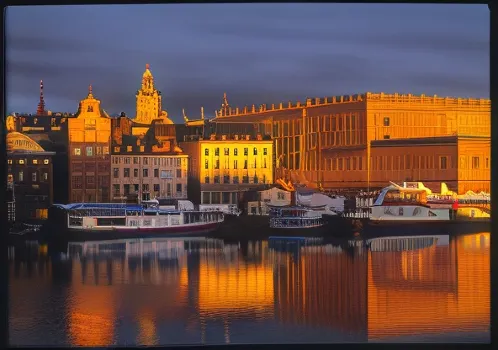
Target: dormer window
{"x": 387, "y": 122}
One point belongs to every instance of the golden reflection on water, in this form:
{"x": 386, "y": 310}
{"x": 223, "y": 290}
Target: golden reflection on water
{"x": 431, "y": 290}
{"x": 370, "y": 295}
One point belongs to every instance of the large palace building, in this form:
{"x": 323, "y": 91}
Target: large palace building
{"x": 355, "y": 141}
{"x": 89, "y": 152}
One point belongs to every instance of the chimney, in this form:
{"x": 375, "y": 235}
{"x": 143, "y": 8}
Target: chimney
{"x": 223, "y": 137}
{"x": 237, "y": 110}
{"x": 253, "y": 109}
{"x": 236, "y": 137}
{"x": 212, "y": 137}
{"x": 259, "y": 137}
{"x": 298, "y": 104}
{"x": 248, "y": 137}
{"x": 290, "y": 104}
{"x": 308, "y": 102}
{"x": 281, "y": 105}
{"x": 272, "y": 106}
{"x": 326, "y": 100}
{"x": 317, "y": 101}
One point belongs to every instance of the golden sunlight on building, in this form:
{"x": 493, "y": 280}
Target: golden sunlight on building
{"x": 91, "y": 312}
{"x": 430, "y": 290}
{"x": 148, "y": 99}
{"x": 225, "y": 290}
{"x": 89, "y": 152}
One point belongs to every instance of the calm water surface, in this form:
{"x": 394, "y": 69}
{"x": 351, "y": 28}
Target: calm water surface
{"x": 159, "y": 292}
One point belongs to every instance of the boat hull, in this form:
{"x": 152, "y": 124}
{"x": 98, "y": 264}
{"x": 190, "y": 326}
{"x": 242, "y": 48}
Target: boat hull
{"x": 122, "y": 232}
{"x": 408, "y": 228}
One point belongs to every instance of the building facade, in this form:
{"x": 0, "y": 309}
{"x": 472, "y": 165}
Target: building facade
{"x": 224, "y": 166}
{"x": 89, "y": 152}
{"x": 463, "y": 163}
{"x": 310, "y": 138}
{"x": 29, "y": 178}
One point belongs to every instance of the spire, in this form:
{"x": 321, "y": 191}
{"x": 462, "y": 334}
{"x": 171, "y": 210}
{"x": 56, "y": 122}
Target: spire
{"x": 41, "y": 105}
{"x": 202, "y": 113}
{"x": 147, "y": 80}
{"x": 225, "y": 107}
{"x": 90, "y": 94}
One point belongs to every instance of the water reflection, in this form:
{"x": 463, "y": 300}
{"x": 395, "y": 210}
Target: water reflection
{"x": 185, "y": 291}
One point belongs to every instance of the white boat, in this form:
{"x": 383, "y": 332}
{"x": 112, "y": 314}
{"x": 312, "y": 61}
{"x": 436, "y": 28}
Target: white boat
{"x": 409, "y": 205}
{"x": 119, "y": 219}
{"x": 295, "y": 218}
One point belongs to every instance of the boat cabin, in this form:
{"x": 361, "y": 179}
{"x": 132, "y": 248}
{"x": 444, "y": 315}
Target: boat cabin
{"x": 396, "y": 195}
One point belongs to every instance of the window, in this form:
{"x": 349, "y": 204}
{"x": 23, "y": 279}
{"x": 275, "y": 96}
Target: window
{"x": 145, "y": 188}
{"x": 116, "y": 149}
{"x": 45, "y": 176}
{"x": 254, "y": 164}
{"x": 245, "y": 164}
{"x": 246, "y": 151}
{"x": 129, "y": 148}
{"x": 35, "y": 161}
{"x": 77, "y": 182}
{"x": 340, "y": 163}
{"x": 178, "y": 188}
{"x": 106, "y": 149}
{"x": 115, "y": 189}
{"x": 486, "y": 163}
{"x": 235, "y": 152}
{"x": 227, "y": 151}
{"x": 135, "y": 160}
{"x": 127, "y": 160}
{"x": 178, "y": 162}
{"x": 245, "y": 179}
{"x": 21, "y": 161}
{"x": 90, "y": 180}
{"x": 77, "y": 151}
{"x": 217, "y": 151}
{"x": 33, "y": 176}
{"x": 387, "y": 137}
{"x": 98, "y": 150}
{"x": 206, "y": 152}
{"x": 206, "y": 180}
{"x": 156, "y": 188}
{"x": 348, "y": 163}
{"x": 217, "y": 164}
{"x": 475, "y": 162}
{"x": 9, "y": 161}
{"x": 206, "y": 164}
{"x": 156, "y": 172}
{"x": 216, "y": 179}
{"x": 226, "y": 179}
{"x": 255, "y": 179}
{"x": 146, "y": 161}
{"x": 387, "y": 122}
{"x": 126, "y": 172}
{"x": 116, "y": 172}
{"x": 145, "y": 172}
{"x": 255, "y": 151}
{"x": 126, "y": 189}
{"x": 89, "y": 151}
{"x": 443, "y": 163}
{"x": 236, "y": 179}
{"x": 265, "y": 151}
{"x": 235, "y": 164}
{"x": 178, "y": 173}
{"x": 45, "y": 161}
{"x": 135, "y": 172}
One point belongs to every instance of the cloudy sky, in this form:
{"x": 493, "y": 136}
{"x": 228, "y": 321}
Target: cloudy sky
{"x": 257, "y": 53}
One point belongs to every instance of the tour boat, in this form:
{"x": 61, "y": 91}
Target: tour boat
{"x": 105, "y": 220}
{"x": 407, "y": 210}
{"x": 290, "y": 220}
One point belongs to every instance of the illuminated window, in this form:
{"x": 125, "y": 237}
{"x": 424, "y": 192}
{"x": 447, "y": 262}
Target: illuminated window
{"x": 98, "y": 150}
{"x": 265, "y": 151}
{"x": 216, "y": 151}
{"x": 116, "y": 149}
{"x": 387, "y": 122}
{"x": 206, "y": 152}
{"x": 246, "y": 151}
{"x": 9, "y": 161}
{"x": 255, "y": 151}
{"x": 128, "y": 148}
{"x": 89, "y": 151}
{"x": 45, "y": 161}
{"x": 21, "y": 161}
{"x": 33, "y": 177}
{"x": 142, "y": 148}
{"x": 77, "y": 151}
{"x": 45, "y": 176}
{"x": 206, "y": 180}
{"x": 227, "y": 151}
{"x": 35, "y": 161}
{"x": 10, "y": 178}
{"x": 235, "y": 152}
{"x": 106, "y": 150}
{"x": 21, "y": 176}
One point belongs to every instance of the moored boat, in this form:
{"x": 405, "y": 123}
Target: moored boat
{"x": 112, "y": 220}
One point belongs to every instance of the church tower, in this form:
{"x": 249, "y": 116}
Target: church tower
{"x": 148, "y": 99}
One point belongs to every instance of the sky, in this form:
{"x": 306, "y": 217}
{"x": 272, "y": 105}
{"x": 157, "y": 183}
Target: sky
{"x": 256, "y": 53}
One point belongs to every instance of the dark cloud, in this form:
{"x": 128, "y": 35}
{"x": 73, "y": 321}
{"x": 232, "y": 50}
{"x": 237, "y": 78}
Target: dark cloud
{"x": 38, "y": 43}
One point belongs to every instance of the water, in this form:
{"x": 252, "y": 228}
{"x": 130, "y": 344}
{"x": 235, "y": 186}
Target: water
{"x": 161, "y": 292}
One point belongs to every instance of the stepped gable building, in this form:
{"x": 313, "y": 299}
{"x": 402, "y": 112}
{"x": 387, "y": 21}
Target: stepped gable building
{"x": 332, "y": 142}
{"x": 29, "y": 178}
{"x": 89, "y": 152}
{"x": 146, "y": 159}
